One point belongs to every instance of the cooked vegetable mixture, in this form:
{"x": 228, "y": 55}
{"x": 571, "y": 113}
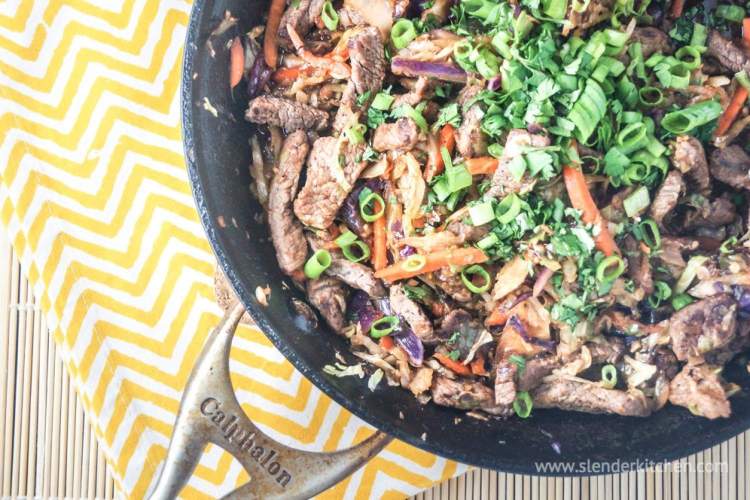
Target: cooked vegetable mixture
{"x": 513, "y": 205}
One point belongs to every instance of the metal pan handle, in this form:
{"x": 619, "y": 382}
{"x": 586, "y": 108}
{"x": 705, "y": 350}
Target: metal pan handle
{"x": 210, "y": 413}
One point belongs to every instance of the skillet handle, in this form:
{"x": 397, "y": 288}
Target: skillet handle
{"x": 210, "y": 413}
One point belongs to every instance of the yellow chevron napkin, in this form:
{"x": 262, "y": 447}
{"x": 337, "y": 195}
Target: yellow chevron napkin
{"x": 94, "y": 195}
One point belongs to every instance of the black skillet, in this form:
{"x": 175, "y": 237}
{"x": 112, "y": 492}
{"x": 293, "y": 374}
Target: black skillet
{"x": 218, "y": 155}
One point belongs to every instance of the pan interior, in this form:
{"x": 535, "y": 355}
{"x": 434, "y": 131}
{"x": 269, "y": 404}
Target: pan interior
{"x": 218, "y": 153}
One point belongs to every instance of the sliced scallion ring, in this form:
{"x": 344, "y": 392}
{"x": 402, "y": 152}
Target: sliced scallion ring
{"x": 356, "y": 133}
{"x": 317, "y": 264}
{"x": 345, "y": 239}
{"x": 356, "y": 251}
{"x": 384, "y": 326}
{"x": 610, "y": 268}
{"x": 681, "y": 300}
{"x": 371, "y": 205}
{"x": 523, "y": 404}
{"x": 650, "y": 234}
{"x": 476, "y": 270}
{"x": 662, "y": 292}
{"x": 689, "y": 56}
{"x": 609, "y": 376}
{"x": 650, "y": 96}
{"x": 402, "y": 33}
{"x": 508, "y": 209}
{"x": 329, "y": 16}
{"x": 414, "y": 263}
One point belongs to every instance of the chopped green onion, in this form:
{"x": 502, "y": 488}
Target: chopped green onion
{"x": 689, "y": 273}
{"x": 655, "y": 60}
{"x": 632, "y": 138}
{"x": 725, "y": 247}
{"x": 457, "y": 177}
{"x": 650, "y": 234}
{"x": 650, "y": 96}
{"x": 673, "y": 75}
{"x": 383, "y": 326}
{"x": 382, "y": 101}
{"x": 556, "y": 9}
{"x": 368, "y": 203}
{"x": 488, "y": 64}
{"x": 689, "y": 56}
{"x": 488, "y": 241}
{"x": 476, "y": 270}
{"x": 319, "y": 262}
{"x": 605, "y": 272}
{"x": 408, "y": 111}
{"x": 655, "y": 147}
{"x": 733, "y": 13}
{"x": 661, "y": 293}
{"x": 363, "y": 251}
{"x": 609, "y": 376}
{"x": 414, "y": 263}
{"x": 523, "y": 404}
{"x": 700, "y": 34}
{"x": 686, "y": 119}
{"x": 637, "y": 201}
{"x": 681, "y": 300}
{"x": 637, "y": 172}
{"x": 329, "y": 16}
{"x": 616, "y": 38}
{"x": 462, "y": 54}
{"x": 345, "y": 239}
{"x": 588, "y": 110}
{"x": 632, "y": 117}
{"x": 481, "y": 213}
{"x": 356, "y": 133}
{"x": 508, "y": 209}
{"x": 402, "y": 33}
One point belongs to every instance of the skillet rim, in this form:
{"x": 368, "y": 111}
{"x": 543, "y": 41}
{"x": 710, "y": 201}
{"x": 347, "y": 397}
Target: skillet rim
{"x": 258, "y": 314}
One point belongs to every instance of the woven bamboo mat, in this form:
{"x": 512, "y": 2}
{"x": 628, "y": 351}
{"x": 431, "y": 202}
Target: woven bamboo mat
{"x": 47, "y": 449}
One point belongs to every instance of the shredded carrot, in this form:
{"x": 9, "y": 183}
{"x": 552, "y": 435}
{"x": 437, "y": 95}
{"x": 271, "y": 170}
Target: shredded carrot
{"x": 379, "y": 239}
{"x": 434, "y": 261}
{"x": 453, "y": 365}
{"x": 746, "y": 30}
{"x": 498, "y": 317}
{"x": 287, "y": 76}
{"x": 581, "y": 199}
{"x": 483, "y": 165}
{"x": 677, "y": 6}
{"x": 236, "y": 62}
{"x": 477, "y": 366}
{"x": 271, "y": 36}
{"x": 447, "y": 140}
{"x": 734, "y": 108}
{"x": 386, "y": 342}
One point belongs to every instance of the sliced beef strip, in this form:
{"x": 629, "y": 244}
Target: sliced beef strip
{"x": 615, "y": 210}
{"x": 731, "y": 165}
{"x": 505, "y": 383}
{"x": 412, "y": 313}
{"x": 503, "y": 181}
{"x": 729, "y": 54}
{"x": 356, "y": 275}
{"x": 368, "y": 60}
{"x": 670, "y": 254}
{"x": 689, "y": 158}
{"x": 399, "y": 136}
{"x": 368, "y": 71}
{"x": 423, "y": 88}
{"x": 467, "y": 395}
{"x": 454, "y": 321}
{"x": 639, "y": 265}
{"x": 589, "y": 397}
{"x": 470, "y": 140}
{"x": 325, "y": 191}
{"x": 467, "y": 232}
{"x": 711, "y": 214}
{"x": 286, "y": 231}
{"x": 328, "y": 295}
{"x": 609, "y": 350}
{"x": 667, "y": 196}
{"x": 699, "y": 389}
{"x": 287, "y": 114}
{"x": 652, "y": 40}
{"x": 703, "y": 326}
{"x": 301, "y": 17}
{"x": 535, "y": 370}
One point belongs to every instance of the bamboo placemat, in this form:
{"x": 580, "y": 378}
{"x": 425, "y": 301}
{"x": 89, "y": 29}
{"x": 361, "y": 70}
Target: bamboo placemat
{"x": 47, "y": 449}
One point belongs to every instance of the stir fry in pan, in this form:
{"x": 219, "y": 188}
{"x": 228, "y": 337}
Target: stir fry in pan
{"x": 507, "y": 206}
